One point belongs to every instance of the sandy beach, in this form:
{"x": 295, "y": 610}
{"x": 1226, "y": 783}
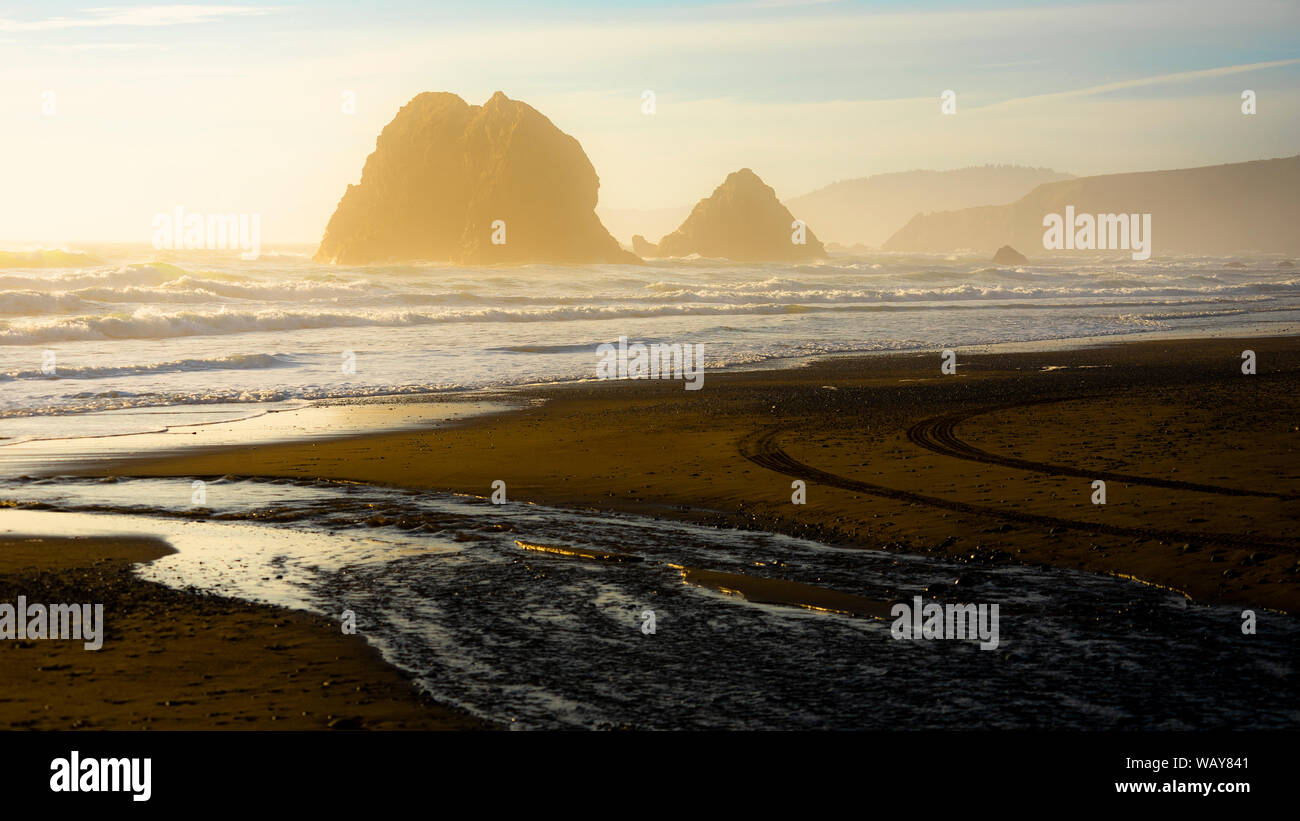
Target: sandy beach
{"x": 173, "y": 660}
{"x": 990, "y": 467}
{"x": 994, "y": 464}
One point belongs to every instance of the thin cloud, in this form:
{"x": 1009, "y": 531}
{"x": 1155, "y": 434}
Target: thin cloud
{"x": 74, "y": 47}
{"x": 1139, "y": 82}
{"x": 140, "y": 16}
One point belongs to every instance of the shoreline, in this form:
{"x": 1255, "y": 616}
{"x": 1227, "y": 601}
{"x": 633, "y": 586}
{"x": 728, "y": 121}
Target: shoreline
{"x": 178, "y": 660}
{"x": 989, "y": 467}
{"x": 622, "y": 441}
{"x": 259, "y": 425}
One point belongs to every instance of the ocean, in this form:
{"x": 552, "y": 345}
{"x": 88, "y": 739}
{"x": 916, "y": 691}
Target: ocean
{"x": 120, "y": 328}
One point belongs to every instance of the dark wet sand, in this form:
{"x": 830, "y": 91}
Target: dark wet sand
{"x": 173, "y": 660}
{"x": 993, "y": 465}
{"x": 786, "y": 593}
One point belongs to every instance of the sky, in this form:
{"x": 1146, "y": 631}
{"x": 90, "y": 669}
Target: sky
{"x": 113, "y": 113}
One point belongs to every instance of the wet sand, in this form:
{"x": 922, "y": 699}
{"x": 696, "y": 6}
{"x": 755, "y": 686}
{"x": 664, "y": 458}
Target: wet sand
{"x": 994, "y": 464}
{"x": 785, "y": 593}
{"x": 172, "y": 660}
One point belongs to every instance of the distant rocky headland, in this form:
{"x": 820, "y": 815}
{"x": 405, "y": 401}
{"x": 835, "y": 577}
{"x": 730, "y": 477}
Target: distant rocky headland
{"x": 468, "y": 184}
{"x": 866, "y": 211}
{"x": 1214, "y": 210}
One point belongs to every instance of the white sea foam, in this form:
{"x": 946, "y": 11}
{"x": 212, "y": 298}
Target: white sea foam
{"x": 231, "y": 362}
{"x": 129, "y": 330}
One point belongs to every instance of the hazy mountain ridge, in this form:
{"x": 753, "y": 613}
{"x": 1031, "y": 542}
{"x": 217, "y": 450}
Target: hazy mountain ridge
{"x": 868, "y": 210}
{"x": 1212, "y": 210}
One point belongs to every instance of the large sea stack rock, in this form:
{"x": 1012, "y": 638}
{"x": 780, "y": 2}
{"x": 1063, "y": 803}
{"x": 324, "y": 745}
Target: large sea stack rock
{"x": 744, "y": 221}
{"x": 444, "y": 173}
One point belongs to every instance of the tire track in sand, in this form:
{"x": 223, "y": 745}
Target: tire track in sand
{"x": 937, "y": 434}
{"x": 764, "y": 450}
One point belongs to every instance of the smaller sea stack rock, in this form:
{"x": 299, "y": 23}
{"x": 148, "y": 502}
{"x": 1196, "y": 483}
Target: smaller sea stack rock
{"x": 1007, "y": 255}
{"x": 744, "y": 221}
